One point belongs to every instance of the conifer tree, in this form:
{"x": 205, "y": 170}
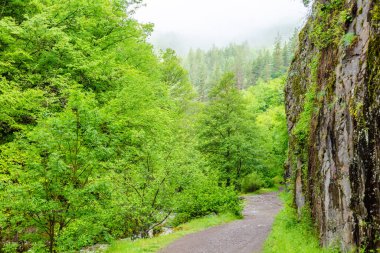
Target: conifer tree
{"x": 277, "y": 58}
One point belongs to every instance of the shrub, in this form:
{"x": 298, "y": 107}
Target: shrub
{"x": 277, "y": 180}
{"x": 252, "y": 182}
{"x": 205, "y": 198}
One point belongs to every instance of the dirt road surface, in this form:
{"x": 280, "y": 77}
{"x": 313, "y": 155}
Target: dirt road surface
{"x": 243, "y": 236}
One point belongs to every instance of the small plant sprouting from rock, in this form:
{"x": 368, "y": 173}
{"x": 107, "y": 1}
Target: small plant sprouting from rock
{"x": 348, "y": 39}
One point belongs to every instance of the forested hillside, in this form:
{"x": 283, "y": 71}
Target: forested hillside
{"x": 101, "y": 138}
{"x": 249, "y": 65}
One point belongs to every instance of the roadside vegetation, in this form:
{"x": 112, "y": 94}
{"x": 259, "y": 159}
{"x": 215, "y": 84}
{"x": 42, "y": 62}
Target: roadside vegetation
{"x": 151, "y": 245}
{"x": 290, "y": 233}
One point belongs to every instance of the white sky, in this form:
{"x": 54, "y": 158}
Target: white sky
{"x": 202, "y": 23}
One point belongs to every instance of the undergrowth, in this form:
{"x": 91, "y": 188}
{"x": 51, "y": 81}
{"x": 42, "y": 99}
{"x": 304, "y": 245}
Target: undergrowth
{"x": 329, "y": 23}
{"x": 291, "y": 234}
{"x": 154, "y": 244}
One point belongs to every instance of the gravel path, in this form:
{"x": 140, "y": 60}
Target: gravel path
{"x": 242, "y": 236}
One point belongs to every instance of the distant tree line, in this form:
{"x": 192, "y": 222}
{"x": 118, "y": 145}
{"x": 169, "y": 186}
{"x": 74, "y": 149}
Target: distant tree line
{"x": 249, "y": 65}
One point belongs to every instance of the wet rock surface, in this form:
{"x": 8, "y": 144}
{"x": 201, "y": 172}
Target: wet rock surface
{"x": 337, "y": 172}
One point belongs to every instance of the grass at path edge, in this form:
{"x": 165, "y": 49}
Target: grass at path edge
{"x": 154, "y": 244}
{"x": 151, "y": 245}
{"x": 290, "y": 234}
{"x": 263, "y": 191}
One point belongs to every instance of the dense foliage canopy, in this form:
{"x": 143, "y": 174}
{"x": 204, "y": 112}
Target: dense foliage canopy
{"x": 101, "y": 138}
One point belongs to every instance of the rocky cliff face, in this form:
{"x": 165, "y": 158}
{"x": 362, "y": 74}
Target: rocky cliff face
{"x": 333, "y": 112}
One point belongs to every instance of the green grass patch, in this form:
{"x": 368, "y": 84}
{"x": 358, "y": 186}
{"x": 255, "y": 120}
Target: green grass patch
{"x": 263, "y": 191}
{"x": 156, "y": 243}
{"x": 289, "y": 234}
{"x": 267, "y": 190}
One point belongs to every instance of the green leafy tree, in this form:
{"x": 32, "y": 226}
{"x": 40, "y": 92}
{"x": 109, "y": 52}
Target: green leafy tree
{"x": 97, "y": 133}
{"x": 177, "y": 80}
{"x": 57, "y": 172}
{"x": 225, "y": 139}
{"x": 266, "y": 104}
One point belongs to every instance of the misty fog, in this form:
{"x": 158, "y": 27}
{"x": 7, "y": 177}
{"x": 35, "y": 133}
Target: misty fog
{"x": 183, "y": 24}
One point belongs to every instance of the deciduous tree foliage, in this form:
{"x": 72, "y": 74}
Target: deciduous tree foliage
{"x": 101, "y": 138}
{"x": 96, "y": 139}
{"x": 243, "y": 134}
{"x": 266, "y": 103}
{"x": 225, "y": 137}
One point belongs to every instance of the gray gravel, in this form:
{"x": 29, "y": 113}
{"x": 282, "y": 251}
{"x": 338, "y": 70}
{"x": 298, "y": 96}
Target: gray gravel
{"x": 242, "y": 236}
